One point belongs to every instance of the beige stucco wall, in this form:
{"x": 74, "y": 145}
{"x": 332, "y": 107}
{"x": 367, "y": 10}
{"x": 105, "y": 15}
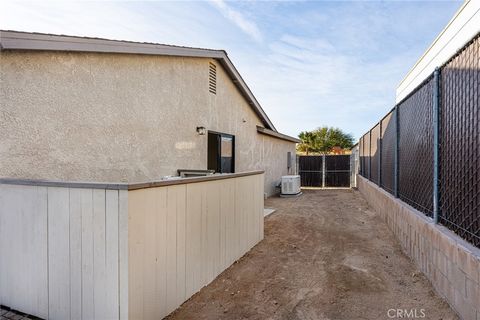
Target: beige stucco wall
{"x": 122, "y": 117}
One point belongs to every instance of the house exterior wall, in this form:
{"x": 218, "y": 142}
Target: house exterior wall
{"x": 461, "y": 29}
{"x": 122, "y": 117}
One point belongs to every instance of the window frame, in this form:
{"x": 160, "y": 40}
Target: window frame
{"x": 220, "y": 135}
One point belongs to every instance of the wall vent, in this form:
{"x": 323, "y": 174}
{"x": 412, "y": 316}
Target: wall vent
{"x": 212, "y": 78}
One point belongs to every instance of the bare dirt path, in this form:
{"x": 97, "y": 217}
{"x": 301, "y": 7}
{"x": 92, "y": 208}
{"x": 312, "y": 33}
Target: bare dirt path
{"x": 326, "y": 255}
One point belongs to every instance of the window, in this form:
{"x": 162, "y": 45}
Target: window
{"x": 221, "y": 152}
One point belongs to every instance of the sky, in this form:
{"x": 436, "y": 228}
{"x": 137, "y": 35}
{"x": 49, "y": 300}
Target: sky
{"x": 308, "y": 63}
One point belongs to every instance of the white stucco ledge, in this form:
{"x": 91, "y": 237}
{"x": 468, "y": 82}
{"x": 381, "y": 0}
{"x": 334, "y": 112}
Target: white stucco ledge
{"x": 268, "y": 211}
{"x": 127, "y": 186}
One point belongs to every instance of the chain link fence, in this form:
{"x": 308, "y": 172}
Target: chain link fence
{"x": 310, "y": 169}
{"x": 460, "y": 143}
{"x": 366, "y": 155}
{"x": 337, "y": 169}
{"x": 324, "y": 171}
{"x": 415, "y": 148}
{"x": 361, "y": 157}
{"x": 387, "y": 161}
{"x": 431, "y": 141}
{"x": 375, "y": 154}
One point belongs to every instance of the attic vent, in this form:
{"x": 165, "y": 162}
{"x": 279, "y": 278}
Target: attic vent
{"x": 212, "y": 78}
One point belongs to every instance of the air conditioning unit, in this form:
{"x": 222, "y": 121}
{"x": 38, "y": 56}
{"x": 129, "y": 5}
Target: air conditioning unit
{"x": 290, "y": 186}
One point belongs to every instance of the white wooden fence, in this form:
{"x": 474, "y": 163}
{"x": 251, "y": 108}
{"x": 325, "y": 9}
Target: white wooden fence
{"x": 122, "y": 251}
{"x": 59, "y": 250}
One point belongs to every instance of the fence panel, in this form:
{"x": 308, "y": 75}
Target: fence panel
{"x": 388, "y": 152}
{"x": 361, "y": 157}
{"x": 366, "y": 156}
{"x": 460, "y": 144}
{"x": 337, "y": 170}
{"x": 416, "y": 148}
{"x": 61, "y": 251}
{"x": 310, "y": 170}
{"x": 184, "y": 235}
{"x": 375, "y": 154}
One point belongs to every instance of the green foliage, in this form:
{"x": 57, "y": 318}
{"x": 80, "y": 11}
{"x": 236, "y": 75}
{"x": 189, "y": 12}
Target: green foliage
{"x": 323, "y": 139}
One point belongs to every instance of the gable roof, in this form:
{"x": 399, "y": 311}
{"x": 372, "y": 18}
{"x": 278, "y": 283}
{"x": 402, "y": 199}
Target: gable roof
{"x": 16, "y": 40}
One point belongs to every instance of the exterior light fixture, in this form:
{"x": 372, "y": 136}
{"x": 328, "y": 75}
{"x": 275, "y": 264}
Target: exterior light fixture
{"x": 201, "y": 131}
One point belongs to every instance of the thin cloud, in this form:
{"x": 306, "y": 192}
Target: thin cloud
{"x": 247, "y": 26}
{"x": 73, "y": 18}
{"x": 312, "y": 64}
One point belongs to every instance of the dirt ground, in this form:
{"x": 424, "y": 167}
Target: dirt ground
{"x": 326, "y": 255}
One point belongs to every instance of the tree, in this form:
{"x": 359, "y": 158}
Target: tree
{"x": 308, "y": 143}
{"x": 323, "y": 139}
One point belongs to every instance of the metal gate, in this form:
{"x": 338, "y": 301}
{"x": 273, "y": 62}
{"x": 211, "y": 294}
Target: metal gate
{"x": 324, "y": 171}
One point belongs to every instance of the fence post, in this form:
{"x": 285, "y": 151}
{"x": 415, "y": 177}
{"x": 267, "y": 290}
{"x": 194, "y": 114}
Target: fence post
{"x": 379, "y": 148}
{"x": 370, "y": 155}
{"x": 436, "y": 111}
{"x": 352, "y": 171}
{"x": 361, "y": 157}
{"x": 323, "y": 170}
{"x": 395, "y": 162}
{"x": 297, "y": 169}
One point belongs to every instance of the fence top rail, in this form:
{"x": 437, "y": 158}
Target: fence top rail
{"x": 459, "y": 51}
{"x": 424, "y": 82}
{"x": 387, "y": 114}
{"x": 126, "y": 186}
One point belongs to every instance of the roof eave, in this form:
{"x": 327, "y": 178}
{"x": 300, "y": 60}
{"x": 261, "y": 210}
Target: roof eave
{"x": 246, "y": 92}
{"x": 277, "y": 135}
{"x": 16, "y": 40}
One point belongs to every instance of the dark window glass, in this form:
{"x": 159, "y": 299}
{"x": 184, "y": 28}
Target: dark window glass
{"x": 221, "y": 152}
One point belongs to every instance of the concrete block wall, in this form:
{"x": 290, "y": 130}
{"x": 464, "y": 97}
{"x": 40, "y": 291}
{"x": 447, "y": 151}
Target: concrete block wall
{"x": 451, "y": 264}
